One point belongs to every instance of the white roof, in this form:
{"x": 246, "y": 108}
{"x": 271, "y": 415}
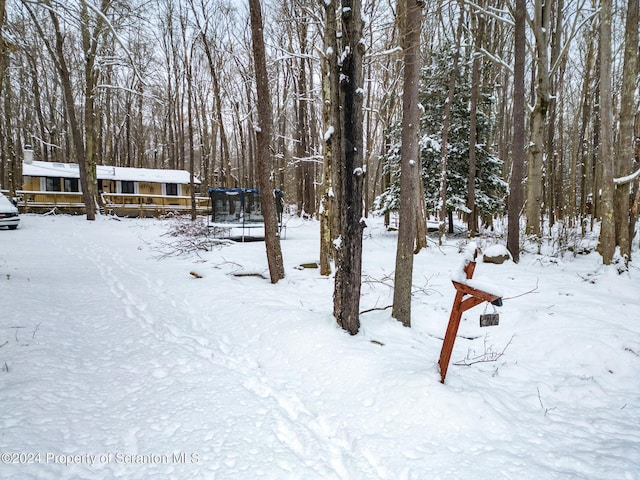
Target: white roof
{"x": 71, "y": 170}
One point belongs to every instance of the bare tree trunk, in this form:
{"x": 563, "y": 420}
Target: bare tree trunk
{"x": 446, "y": 121}
{"x": 58, "y": 55}
{"x": 624, "y": 146}
{"x": 538, "y": 118}
{"x": 607, "y": 229}
{"x": 225, "y": 177}
{"x": 410, "y": 20}
{"x": 559, "y": 180}
{"x": 349, "y": 265}
{"x": 9, "y": 173}
{"x": 90, "y": 40}
{"x": 515, "y": 180}
{"x": 8, "y": 143}
{"x": 263, "y": 140}
{"x": 332, "y": 136}
{"x": 421, "y": 212}
{"x": 472, "y": 221}
{"x": 583, "y": 158}
{"x": 301, "y": 135}
{"x": 4, "y": 69}
{"x": 190, "y": 131}
{"x": 552, "y": 159}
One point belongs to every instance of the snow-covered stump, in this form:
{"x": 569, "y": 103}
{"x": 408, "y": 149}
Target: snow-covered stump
{"x": 469, "y": 293}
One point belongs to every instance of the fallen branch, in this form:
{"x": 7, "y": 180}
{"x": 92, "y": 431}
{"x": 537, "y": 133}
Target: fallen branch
{"x": 34, "y": 332}
{"x": 546, "y": 410}
{"x": 249, "y": 274}
{"x": 375, "y": 308}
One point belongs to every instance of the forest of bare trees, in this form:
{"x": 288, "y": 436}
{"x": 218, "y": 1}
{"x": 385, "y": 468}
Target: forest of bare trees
{"x": 172, "y": 84}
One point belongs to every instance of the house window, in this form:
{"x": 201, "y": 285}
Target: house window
{"x": 53, "y": 184}
{"x": 172, "y": 189}
{"x": 71, "y": 185}
{"x": 128, "y": 187}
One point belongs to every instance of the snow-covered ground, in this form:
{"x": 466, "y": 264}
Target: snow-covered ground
{"x": 117, "y": 363}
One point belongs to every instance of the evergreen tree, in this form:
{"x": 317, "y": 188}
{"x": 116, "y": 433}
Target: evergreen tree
{"x": 490, "y": 187}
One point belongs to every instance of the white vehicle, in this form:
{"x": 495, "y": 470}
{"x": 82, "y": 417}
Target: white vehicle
{"x": 8, "y": 213}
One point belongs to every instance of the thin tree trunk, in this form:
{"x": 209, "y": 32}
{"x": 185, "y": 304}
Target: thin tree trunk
{"x": 584, "y": 158}
{"x": 446, "y": 121}
{"x": 302, "y": 150}
{"x": 332, "y": 126}
{"x": 8, "y": 144}
{"x": 421, "y": 212}
{"x": 515, "y": 181}
{"x": 578, "y": 158}
{"x": 624, "y": 146}
{"x": 472, "y": 221}
{"x": 58, "y": 55}
{"x": 263, "y": 140}
{"x": 538, "y": 119}
{"x": 190, "y": 129}
{"x": 410, "y": 21}
{"x": 89, "y": 46}
{"x": 607, "y": 229}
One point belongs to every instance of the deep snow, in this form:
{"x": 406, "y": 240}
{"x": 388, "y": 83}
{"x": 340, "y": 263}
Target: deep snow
{"x": 122, "y": 364}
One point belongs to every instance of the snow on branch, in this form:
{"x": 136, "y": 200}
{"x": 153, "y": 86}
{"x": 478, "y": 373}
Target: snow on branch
{"x": 130, "y": 90}
{"x": 311, "y": 158}
{"x": 497, "y": 60}
{"x": 121, "y": 41}
{"x": 627, "y": 179}
{"x": 383, "y": 53}
{"x": 500, "y": 15}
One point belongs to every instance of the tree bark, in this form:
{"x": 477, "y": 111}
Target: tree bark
{"x": 349, "y": 266}
{"x": 332, "y": 136}
{"x": 190, "y": 130}
{"x": 472, "y": 220}
{"x": 607, "y": 228}
{"x": 538, "y": 118}
{"x": 263, "y": 141}
{"x": 410, "y": 21}
{"x": 515, "y": 181}
{"x": 624, "y": 145}
{"x": 58, "y": 55}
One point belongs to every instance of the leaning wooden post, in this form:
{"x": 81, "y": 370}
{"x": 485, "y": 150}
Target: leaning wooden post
{"x": 454, "y": 323}
{"x": 460, "y": 305}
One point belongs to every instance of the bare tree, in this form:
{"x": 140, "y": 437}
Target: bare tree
{"x": 541, "y": 31}
{"x": 577, "y": 170}
{"x": 518, "y": 152}
{"x": 478, "y": 30}
{"x": 332, "y": 136}
{"x": 410, "y": 13}
{"x": 446, "y": 122}
{"x": 263, "y": 137}
{"x": 607, "y": 229}
{"x": 59, "y": 55}
{"x": 349, "y": 255}
{"x": 187, "y": 46}
{"x": 624, "y": 145}
{"x": 8, "y": 158}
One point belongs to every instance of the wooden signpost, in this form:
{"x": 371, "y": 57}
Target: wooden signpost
{"x": 467, "y": 297}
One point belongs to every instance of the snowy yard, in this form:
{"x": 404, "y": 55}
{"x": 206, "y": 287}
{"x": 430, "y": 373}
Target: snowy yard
{"x": 116, "y": 363}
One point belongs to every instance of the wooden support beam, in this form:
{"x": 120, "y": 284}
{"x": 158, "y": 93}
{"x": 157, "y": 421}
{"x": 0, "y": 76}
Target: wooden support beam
{"x": 473, "y": 298}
